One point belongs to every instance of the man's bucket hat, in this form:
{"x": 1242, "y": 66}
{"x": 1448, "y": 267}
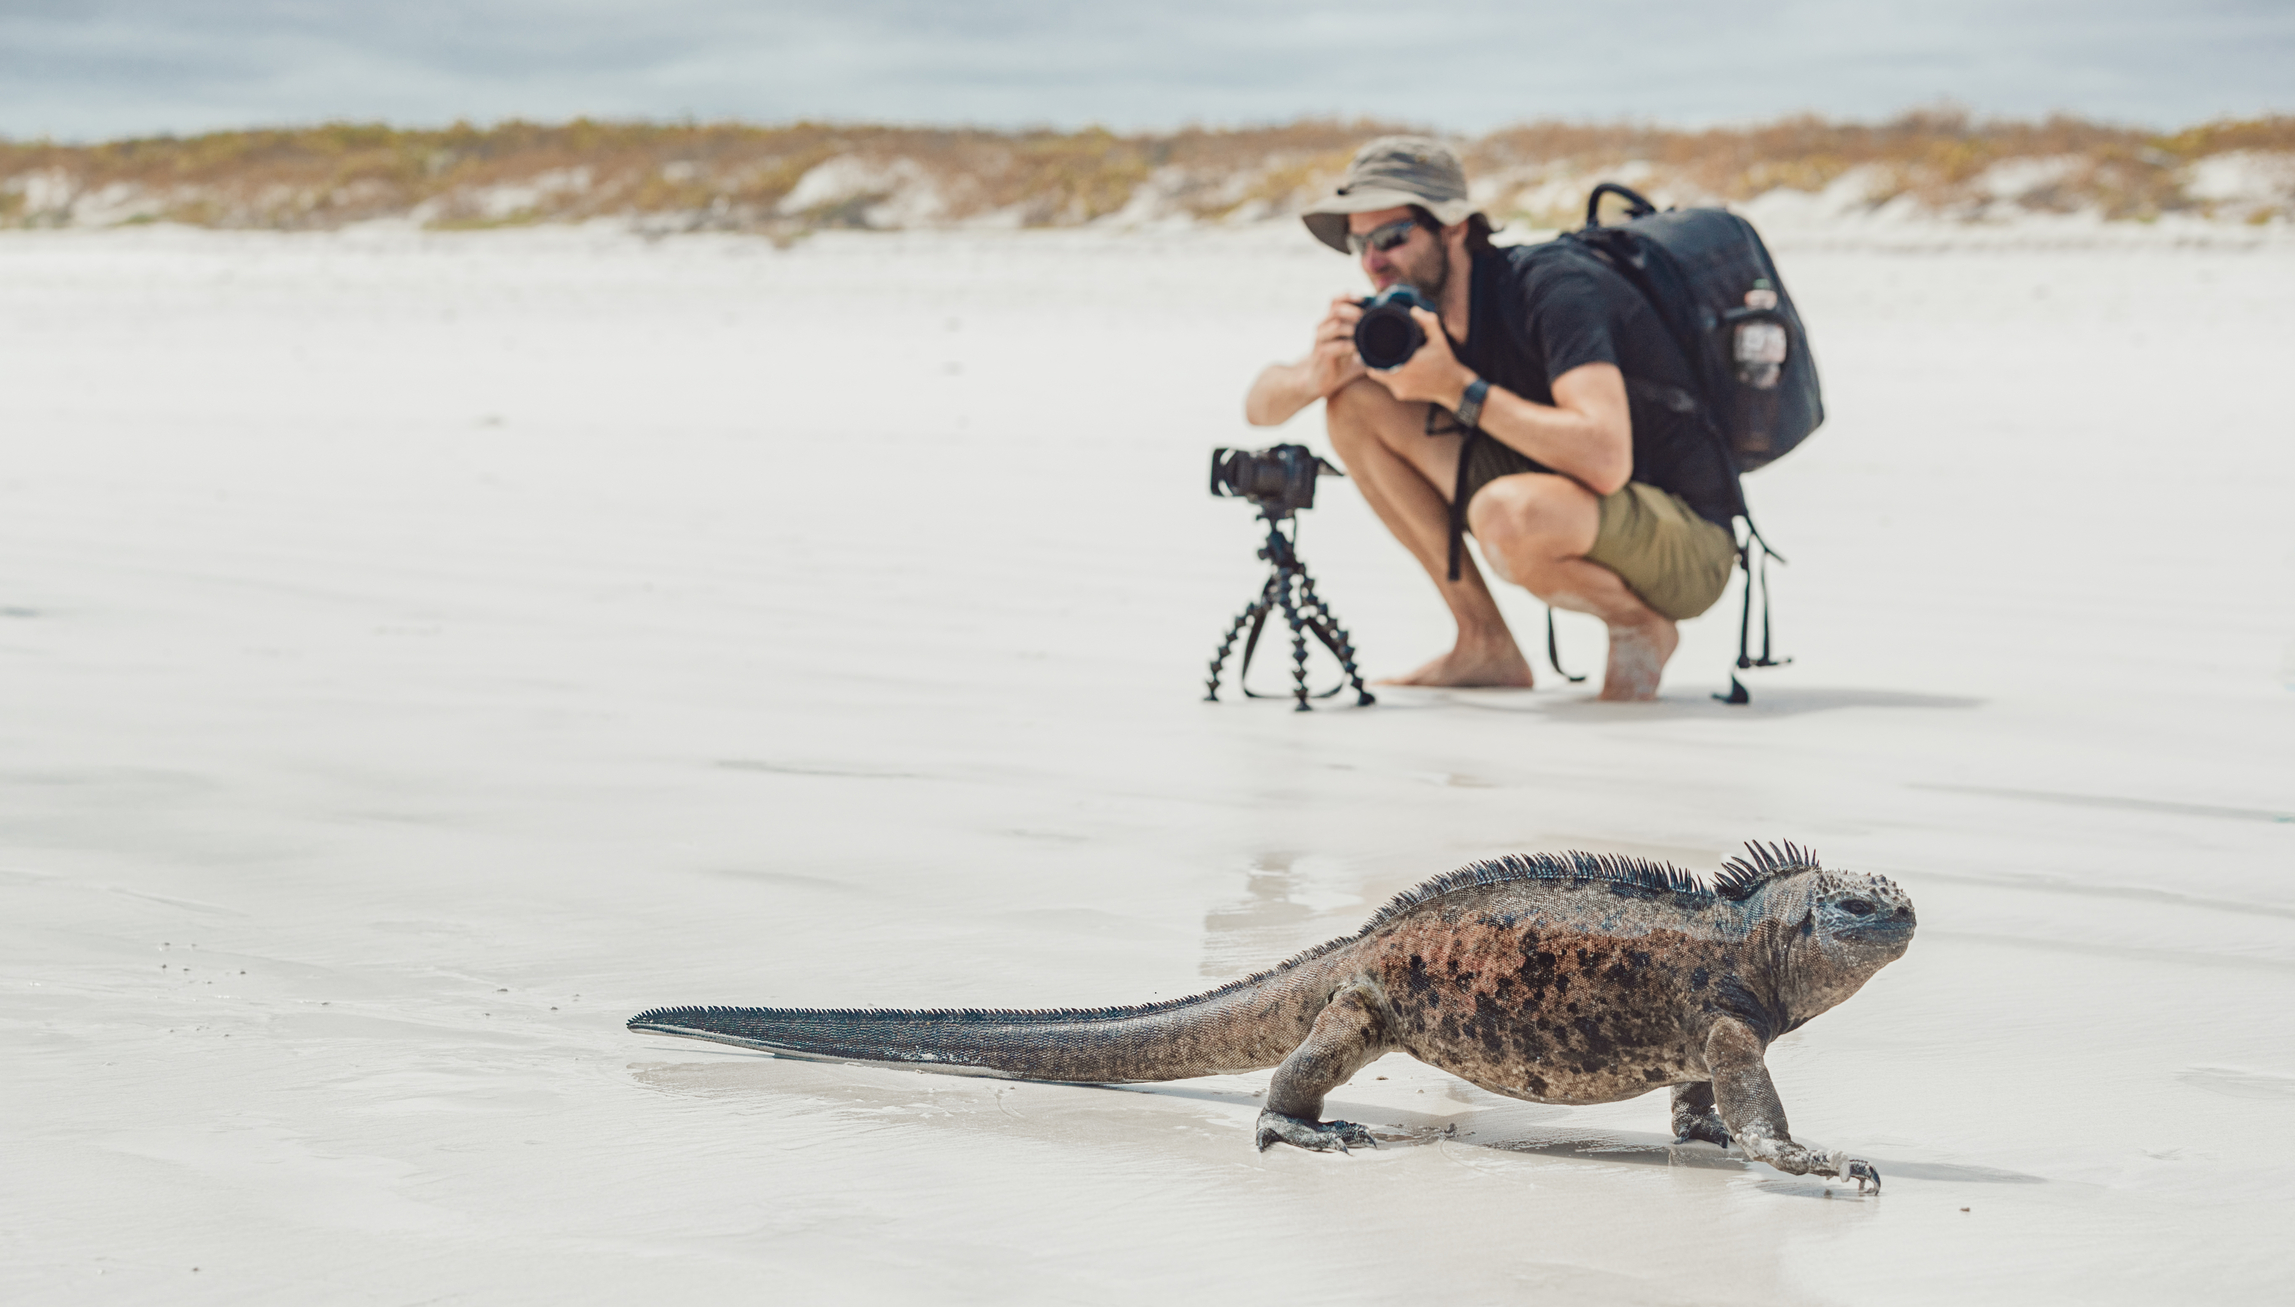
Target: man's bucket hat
{"x": 1390, "y": 173}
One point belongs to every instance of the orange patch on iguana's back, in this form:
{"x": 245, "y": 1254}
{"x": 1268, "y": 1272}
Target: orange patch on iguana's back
{"x": 1543, "y": 1011}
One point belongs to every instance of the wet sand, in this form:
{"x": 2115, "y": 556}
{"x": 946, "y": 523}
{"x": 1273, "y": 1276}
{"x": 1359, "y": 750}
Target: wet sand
{"x": 423, "y": 652}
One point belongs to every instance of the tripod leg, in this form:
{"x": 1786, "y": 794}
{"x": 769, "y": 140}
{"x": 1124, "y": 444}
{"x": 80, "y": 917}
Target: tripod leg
{"x": 1254, "y": 613}
{"x": 1334, "y": 637}
{"x": 1298, "y": 639}
{"x": 1261, "y": 611}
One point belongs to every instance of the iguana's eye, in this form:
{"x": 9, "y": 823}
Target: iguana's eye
{"x": 1856, "y": 907}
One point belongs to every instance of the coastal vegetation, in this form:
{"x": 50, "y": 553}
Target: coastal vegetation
{"x": 790, "y": 179}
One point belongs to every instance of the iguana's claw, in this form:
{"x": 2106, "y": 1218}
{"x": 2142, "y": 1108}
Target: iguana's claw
{"x": 1315, "y": 1136}
{"x": 1707, "y": 1128}
{"x": 1862, "y": 1172}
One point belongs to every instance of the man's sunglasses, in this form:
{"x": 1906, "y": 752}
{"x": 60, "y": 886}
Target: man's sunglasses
{"x": 1381, "y": 239}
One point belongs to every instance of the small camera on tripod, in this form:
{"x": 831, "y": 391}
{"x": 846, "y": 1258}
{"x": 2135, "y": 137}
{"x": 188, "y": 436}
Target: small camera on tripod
{"x": 1280, "y": 481}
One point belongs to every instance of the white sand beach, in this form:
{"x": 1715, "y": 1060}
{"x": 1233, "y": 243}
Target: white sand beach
{"x": 420, "y": 652}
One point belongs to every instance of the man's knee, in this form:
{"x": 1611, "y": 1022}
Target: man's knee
{"x": 1534, "y": 518}
{"x": 1362, "y": 398}
{"x": 1358, "y": 415}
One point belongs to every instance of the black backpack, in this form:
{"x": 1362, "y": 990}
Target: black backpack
{"x": 1696, "y": 267}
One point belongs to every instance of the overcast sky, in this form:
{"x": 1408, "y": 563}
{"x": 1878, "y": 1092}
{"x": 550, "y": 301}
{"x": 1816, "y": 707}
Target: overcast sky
{"x": 90, "y": 69}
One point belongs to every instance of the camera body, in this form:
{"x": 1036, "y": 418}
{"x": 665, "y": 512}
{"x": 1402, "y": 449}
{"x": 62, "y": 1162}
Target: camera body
{"x": 1386, "y": 335}
{"x": 1279, "y": 479}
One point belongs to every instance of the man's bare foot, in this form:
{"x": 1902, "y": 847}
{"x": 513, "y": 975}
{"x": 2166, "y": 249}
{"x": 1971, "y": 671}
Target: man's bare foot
{"x": 1501, "y": 667}
{"x": 1638, "y": 656}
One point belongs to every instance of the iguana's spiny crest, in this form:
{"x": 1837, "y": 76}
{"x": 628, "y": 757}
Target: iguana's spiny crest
{"x": 1741, "y": 878}
{"x": 1854, "y": 907}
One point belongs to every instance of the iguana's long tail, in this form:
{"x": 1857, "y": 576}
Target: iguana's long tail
{"x": 1243, "y": 1026}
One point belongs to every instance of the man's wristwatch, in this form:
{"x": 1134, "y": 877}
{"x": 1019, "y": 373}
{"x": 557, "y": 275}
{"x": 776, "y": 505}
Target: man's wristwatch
{"x": 1470, "y": 404}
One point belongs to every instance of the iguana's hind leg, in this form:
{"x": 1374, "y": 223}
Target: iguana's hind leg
{"x": 1694, "y": 1117}
{"x": 1349, "y": 1035}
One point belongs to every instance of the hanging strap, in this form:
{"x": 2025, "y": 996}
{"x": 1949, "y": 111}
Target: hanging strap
{"x": 1458, "y": 505}
{"x": 1553, "y": 654}
{"x": 1753, "y": 540}
{"x": 1467, "y": 436}
{"x": 1755, "y": 574}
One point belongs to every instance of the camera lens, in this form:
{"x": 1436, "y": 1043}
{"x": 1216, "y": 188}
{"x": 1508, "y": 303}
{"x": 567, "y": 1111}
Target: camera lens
{"x": 1386, "y": 335}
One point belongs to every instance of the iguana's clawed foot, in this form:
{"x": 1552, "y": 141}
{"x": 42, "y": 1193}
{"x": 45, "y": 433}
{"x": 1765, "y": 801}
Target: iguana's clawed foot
{"x": 1844, "y": 1167}
{"x": 1793, "y": 1159}
{"x": 1316, "y": 1136}
{"x": 1707, "y": 1127}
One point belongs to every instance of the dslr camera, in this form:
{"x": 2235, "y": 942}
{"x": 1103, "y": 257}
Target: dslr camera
{"x": 1386, "y": 335}
{"x": 1279, "y": 479}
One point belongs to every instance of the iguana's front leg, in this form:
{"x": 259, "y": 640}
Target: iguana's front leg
{"x": 1349, "y": 1035}
{"x": 1693, "y": 1115}
{"x": 1749, "y": 1108}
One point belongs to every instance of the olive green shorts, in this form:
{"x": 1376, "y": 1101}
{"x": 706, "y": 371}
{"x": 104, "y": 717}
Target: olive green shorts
{"x": 1678, "y": 562}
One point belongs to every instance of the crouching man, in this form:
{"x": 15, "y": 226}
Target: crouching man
{"x": 1545, "y": 403}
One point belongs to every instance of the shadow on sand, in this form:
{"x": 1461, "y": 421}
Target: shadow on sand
{"x": 1581, "y": 705}
{"x": 734, "y": 1072}
{"x": 1490, "y": 1129}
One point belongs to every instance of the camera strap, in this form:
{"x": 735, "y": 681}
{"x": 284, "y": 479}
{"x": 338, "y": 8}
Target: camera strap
{"x": 1467, "y": 436}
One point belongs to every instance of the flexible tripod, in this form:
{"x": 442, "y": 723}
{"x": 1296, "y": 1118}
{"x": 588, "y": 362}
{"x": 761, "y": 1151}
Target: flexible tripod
{"x": 1304, "y": 609}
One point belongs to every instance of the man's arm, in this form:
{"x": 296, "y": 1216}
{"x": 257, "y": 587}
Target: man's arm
{"x": 1587, "y": 434}
{"x": 1284, "y": 388}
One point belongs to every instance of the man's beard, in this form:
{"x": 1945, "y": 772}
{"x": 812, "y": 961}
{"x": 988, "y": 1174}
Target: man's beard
{"x": 1431, "y": 278}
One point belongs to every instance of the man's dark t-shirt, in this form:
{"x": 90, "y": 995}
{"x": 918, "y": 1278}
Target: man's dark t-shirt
{"x": 1537, "y": 311}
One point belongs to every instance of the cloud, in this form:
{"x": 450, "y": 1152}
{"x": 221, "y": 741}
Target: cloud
{"x": 96, "y": 68}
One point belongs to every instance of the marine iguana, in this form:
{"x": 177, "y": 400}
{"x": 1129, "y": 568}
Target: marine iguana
{"x": 1555, "y": 977}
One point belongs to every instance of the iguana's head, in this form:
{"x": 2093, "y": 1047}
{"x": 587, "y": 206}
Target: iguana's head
{"x": 1835, "y": 928}
{"x": 1860, "y": 915}
{"x": 1854, "y": 924}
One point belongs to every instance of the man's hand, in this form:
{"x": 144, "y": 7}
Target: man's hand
{"x": 1332, "y": 362}
{"x": 1586, "y": 434}
{"x": 1433, "y": 375}
{"x": 1282, "y": 389}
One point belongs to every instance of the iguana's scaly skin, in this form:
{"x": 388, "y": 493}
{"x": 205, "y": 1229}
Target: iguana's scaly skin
{"x": 1557, "y": 978}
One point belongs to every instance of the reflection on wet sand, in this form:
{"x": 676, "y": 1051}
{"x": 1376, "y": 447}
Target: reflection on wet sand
{"x": 1282, "y": 893}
